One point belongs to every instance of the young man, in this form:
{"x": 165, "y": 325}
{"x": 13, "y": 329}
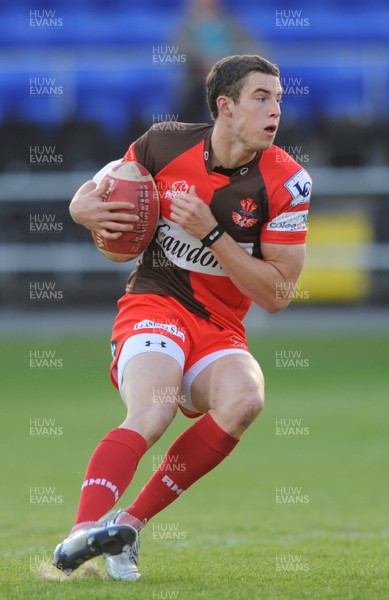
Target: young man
{"x": 232, "y": 230}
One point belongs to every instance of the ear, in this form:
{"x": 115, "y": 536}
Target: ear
{"x": 225, "y": 105}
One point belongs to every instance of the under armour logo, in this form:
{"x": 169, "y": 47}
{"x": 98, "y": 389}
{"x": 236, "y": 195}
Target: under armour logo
{"x": 149, "y": 343}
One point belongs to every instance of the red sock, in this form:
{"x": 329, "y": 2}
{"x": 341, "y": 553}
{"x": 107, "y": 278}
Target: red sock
{"x": 109, "y": 472}
{"x": 196, "y": 452}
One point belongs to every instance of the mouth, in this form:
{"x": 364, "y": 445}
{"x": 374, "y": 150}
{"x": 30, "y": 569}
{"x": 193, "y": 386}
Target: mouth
{"x": 271, "y": 129}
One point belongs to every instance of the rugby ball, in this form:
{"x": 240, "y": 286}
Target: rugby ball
{"x": 131, "y": 182}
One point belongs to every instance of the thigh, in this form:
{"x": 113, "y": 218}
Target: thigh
{"x": 227, "y": 380}
{"x": 150, "y": 389}
{"x": 151, "y": 379}
{"x": 232, "y": 390}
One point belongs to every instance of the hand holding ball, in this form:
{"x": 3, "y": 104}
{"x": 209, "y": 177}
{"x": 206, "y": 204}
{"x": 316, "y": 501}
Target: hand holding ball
{"x": 131, "y": 182}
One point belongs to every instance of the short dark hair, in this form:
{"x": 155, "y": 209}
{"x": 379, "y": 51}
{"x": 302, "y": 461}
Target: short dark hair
{"x": 227, "y": 77}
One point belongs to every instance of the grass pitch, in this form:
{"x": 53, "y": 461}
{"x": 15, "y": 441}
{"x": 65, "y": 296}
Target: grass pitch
{"x": 298, "y": 511}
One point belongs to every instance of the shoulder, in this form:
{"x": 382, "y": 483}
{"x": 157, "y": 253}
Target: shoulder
{"x": 280, "y": 170}
{"x": 277, "y": 159}
{"x": 165, "y": 141}
{"x": 174, "y": 130}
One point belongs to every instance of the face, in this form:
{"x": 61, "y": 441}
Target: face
{"x": 256, "y": 115}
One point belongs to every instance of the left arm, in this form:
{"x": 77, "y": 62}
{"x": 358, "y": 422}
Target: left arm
{"x": 268, "y": 282}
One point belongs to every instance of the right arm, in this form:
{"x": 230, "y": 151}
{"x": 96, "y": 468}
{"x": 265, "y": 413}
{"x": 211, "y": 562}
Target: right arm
{"x": 88, "y": 206}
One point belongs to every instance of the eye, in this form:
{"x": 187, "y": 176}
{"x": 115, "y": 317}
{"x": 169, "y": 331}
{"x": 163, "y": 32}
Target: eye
{"x": 261, "y": 98}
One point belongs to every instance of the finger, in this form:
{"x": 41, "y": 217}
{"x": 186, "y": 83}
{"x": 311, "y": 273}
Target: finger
{"x": 179, "y": 201}
{"x": 177, "y": 210}
{"x": 123, "y": 217}
{"x": 192, "y": 190}
{"x": 120, "y": 206}
{"x": 176, "y": 213}
{"x": 101, "y": 189}
{"x": 178, "y": 216}
{"x": 109, "y": 235}
{"x": 115, "y": 226}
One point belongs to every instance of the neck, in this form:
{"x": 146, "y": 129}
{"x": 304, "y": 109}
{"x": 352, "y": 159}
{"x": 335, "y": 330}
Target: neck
{"x": 226, "y": 152}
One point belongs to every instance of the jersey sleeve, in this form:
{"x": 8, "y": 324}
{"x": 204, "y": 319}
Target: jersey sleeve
{"x": 138, "y": 151}
{"x": 289, "y": 193}
{"x": 164, "y": 142}
{"x": 150, "y": 149}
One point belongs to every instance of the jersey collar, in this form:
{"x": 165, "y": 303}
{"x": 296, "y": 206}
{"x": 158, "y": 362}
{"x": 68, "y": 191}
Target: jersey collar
{"x": 239, "y": 172}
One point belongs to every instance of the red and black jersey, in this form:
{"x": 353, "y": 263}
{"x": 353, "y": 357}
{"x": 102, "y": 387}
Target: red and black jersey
{"x": 265, "y": 201}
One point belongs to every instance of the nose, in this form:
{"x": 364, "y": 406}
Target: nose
{"x": 275, "y": 109}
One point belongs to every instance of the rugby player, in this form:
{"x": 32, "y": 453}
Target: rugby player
{"x": 232, "y": 230}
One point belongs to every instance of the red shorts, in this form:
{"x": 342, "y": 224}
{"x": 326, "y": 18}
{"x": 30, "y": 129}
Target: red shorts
{"x": 149, "y": 322}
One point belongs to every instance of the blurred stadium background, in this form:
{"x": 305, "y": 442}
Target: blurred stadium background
{"x": 80, "y": 81}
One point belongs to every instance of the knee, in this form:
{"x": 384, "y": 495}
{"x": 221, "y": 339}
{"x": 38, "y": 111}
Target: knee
{"x": 151, "y": 423}
{"x": 149, "y": 414}
{"x": 156, "y": 420}
{"x": 249, "y": 402}
{"x": 241, "y": 405}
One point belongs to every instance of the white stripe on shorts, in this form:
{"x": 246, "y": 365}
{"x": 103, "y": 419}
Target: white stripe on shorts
{"x": 148, "y": 342}
{"x": 197, "y": 368}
